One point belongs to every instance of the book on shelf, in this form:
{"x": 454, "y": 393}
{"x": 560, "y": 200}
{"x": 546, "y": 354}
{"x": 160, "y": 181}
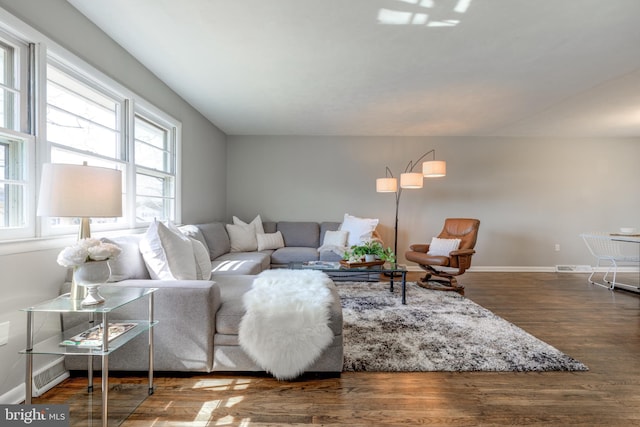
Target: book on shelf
{"x": 92, "y": 337}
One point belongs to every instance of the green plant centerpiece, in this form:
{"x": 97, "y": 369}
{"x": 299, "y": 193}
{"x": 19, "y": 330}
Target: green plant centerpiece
{"x": 358, "y": 253}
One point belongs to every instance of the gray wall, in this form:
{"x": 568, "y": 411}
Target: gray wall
{"x": 31, "y": 276}
{"x": 528, "y": 193}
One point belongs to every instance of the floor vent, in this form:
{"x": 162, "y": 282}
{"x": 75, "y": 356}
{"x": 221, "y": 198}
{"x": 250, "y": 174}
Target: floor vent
{"x": 49, "y": 376}
{"x": 573, "y": 268}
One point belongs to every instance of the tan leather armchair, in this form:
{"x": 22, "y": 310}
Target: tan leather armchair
{"x": 456, "y": 263}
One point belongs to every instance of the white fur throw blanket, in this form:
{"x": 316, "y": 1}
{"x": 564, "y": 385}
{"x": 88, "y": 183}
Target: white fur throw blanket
{"x": 286, "y": 324}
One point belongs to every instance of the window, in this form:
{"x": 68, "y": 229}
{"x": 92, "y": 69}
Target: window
{"x": 56, "y": 108}
{"x": 14, "y": 75}
{"x": 155, "y": 160}
{"x": 16, "y": 219}
{"x": 13, "y": 184}
{"x": 83, "y": 125}
{"x": 88, "y": 122}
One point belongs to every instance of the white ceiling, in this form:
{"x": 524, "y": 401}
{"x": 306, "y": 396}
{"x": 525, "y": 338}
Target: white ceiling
{"x": 565, "y": 68}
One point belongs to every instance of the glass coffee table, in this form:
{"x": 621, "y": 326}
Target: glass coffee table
{"x": 394, "y": 271}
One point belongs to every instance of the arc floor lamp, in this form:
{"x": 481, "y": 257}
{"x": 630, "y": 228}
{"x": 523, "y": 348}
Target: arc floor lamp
{"x": 410, "y": 180}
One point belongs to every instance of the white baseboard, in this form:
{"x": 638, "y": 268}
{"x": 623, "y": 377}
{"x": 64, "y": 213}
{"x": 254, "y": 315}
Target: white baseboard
{"x": 498, "y": 269}
{"x": 13, "y": 396}
{"x": 530, "y": 269}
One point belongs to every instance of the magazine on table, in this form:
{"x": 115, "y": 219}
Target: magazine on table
{"x": 93, "y": 337}
{"x": 321, "y": 264}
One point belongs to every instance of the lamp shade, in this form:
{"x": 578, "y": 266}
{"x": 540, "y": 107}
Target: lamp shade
{"x": 386, "y": 185}
{"x": 411, "y": 180}
{"x": 434, "y": 169}
{"x": 80, "y": 191}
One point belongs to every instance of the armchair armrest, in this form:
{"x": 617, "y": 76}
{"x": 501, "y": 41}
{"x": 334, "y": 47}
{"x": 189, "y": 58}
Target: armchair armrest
{"x": 462, "y": 252}
{"x": 420, "y": 247}
{"x": 461, "y": 259}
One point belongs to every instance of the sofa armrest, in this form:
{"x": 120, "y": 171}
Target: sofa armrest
{"x": 183, "y": 338}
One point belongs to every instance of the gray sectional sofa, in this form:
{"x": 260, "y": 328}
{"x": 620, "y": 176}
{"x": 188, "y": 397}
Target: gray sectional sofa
{"x": 301, "y": 240}
{"x": 199, "y": 319}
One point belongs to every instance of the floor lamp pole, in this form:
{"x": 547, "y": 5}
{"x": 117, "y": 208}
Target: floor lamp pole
{"x": 395, "y": 231}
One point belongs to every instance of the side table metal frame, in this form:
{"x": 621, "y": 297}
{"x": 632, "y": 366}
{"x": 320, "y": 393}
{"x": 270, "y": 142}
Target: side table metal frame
{"x": 105, "y": 360}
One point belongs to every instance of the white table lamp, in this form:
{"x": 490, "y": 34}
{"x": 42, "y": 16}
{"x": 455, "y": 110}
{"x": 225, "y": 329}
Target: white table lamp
{"x": 80, "y": 191}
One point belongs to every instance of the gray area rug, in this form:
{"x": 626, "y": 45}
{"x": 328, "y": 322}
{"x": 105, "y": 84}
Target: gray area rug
{"x": 435, "y": 331}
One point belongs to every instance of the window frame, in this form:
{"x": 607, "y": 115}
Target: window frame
{"x": 158, "y": 118}
{"x": 21, "y": 61}
{"x": 130, "y": 106}
{"x": 41, "y": 50}
{"x": 21, "y": 129}
{"x": 27, "y": 143}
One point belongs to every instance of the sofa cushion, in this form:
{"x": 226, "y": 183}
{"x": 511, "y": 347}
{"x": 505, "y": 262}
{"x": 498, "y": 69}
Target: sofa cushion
{"x": 360, "y": 229}
{"x": 256, "y": 223}
{"x": 335, "y": 238}
{"x": 233, "y": 288}
{"x": 216, "y": 237}
{"x": 330, "y": 256}
{"x": 195, "y": 233}
{"x": 270, "y": 226}
{"x": 261, "y": 258}
{"x": 203, "y": 262}
{"x": 303, "y": 234}
{"x": 242, "y": 237}
{"x": 328, "y": 226}
{"x": 234, "y": 266}
{"x": 130, "y": 264}
{"x": 284, "y": 256}
{"x": 270, "y": 241}
{"x": 168, "y": 253}
{"x": 231, "y": 310}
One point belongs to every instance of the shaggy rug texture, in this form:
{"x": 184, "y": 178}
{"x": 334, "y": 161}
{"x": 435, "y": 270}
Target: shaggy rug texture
{"x": 435, "y": 331}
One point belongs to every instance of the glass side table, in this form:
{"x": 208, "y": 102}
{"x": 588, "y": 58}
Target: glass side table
{"x": 115, "y": 296}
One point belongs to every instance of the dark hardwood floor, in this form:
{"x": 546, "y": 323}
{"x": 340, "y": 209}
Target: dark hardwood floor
{"x": 596, "y": 326}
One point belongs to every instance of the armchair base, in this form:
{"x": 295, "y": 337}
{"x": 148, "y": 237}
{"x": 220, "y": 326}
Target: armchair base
{"x": 449, "y": 283}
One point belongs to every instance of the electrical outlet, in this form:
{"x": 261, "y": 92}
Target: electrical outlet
{"x": 4, "y": 333}
{"x": 557, "y": 247}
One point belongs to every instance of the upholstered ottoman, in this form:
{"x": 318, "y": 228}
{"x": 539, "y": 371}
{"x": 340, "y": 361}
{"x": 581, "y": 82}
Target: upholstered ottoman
{"x": 228, "y": 355}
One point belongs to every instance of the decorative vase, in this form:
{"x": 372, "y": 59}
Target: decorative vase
{"x": 91, "y": 275}
{"x": 369, "y": 258}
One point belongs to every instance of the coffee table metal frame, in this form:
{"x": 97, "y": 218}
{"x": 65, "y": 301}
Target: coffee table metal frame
{"x": 391, "y": 269}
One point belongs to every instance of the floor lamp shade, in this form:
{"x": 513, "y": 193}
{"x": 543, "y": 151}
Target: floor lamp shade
{"x": 80, "y": 191}
{"x": 386, "y": 185}
{"x": 434, "y": 169}
{"x": 411, "y": 180}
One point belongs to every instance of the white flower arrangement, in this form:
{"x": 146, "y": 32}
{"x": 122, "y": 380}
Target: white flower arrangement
{"x": 87, "y": 250}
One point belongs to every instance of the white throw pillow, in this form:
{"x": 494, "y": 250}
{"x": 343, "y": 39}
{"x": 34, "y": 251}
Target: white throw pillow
{"x": 255, "y": 223}
{"x": 335, "y": 238}
{"x": 201, "y": 256}
{"x": 442, "y": 247}
{"x": 168, "y": 253}
{"x": 270, "y": 241}
{"x": 242, "y": 237}
{"x": 360, "y": 229}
